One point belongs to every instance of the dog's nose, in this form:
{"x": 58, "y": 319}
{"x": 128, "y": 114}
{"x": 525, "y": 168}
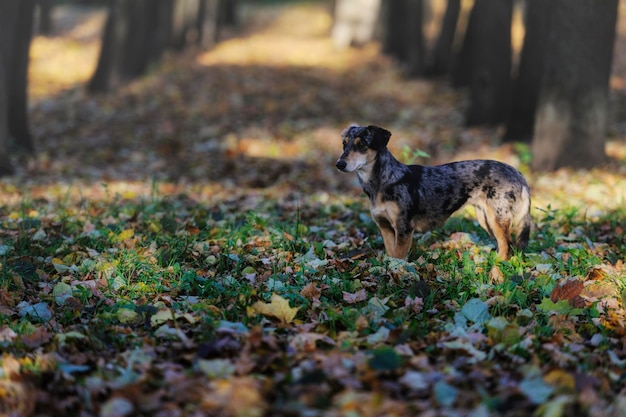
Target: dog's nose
{"x": 341, "y": 164}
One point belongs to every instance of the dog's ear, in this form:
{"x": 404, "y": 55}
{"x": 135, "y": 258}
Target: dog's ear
{"x": 380, "y": 137}
{"x": 345, "y": 132}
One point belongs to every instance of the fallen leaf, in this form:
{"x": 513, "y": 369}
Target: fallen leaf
{"x": 353, "y": 298}
{"x": 278, "y": 308}
{"x": 307, "y": 342}
{"x": 38, "y": 338}
{"x": 569, "y": 290}
{"x": 61, "y": 292}
{"x": 117, "y": 407}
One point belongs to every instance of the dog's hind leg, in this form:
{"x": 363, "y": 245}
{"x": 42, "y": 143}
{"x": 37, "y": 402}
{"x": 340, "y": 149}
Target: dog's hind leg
{"x": 523, "y": 221}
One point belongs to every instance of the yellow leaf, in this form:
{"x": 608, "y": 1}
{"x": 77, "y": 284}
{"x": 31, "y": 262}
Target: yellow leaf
{"x": 125, "y": 234}
{"x": 33, "y": 213}
{"x": 278, "y": 308}
{"x": 560, "y": 378}
{"x": 161, "y": 316}
{"x": 14, "y": 215}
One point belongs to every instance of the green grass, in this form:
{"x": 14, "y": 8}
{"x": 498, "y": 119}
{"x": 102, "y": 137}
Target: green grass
{"x": 127, "y": 261}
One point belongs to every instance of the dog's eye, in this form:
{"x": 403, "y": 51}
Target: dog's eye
{"x": 361, "y": 146}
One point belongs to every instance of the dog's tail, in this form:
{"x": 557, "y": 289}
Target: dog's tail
{"x": 523, "y": 221}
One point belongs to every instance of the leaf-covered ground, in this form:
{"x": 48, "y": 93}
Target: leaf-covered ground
{"x": 186, "y": 247}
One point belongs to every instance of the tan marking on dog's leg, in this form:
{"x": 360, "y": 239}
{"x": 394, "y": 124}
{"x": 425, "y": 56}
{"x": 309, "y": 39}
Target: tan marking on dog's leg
{"x": 403, "y": 246}
{"x": 480, "y": 216}
{"x": 389, "y": 239}
{"x": 503, "y": 237}
{"x": 500, "y": 230}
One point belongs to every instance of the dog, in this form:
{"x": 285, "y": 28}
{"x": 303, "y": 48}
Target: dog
{"x": 407, "y": 198}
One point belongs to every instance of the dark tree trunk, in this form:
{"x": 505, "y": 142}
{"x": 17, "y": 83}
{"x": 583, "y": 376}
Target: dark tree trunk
{"x": 45, "y": 17}
{"x": 415, "y": 60}
{"x": 403, "y": 34}
{"x": 18, "y": 76}
{"x": 485, "y": 62}
{"x": 230, "y": 15}
{"x": 531, "y": 68}
{"x": 571, "y": 119}
{"x": 109, "y": 60}
{"x": 8, "y": 17}
{"x": 227, "y": 15}
{"x": 5, "y": 161}
{"x": 442, "y": 54}
{"x": 161, "y": 30}
{"x": 396, "y": 31}
{"x": 139, "y": 48}
{"x": 135, "y": 36}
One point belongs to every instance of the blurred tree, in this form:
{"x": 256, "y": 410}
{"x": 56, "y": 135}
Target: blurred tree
{"x": 442, "y": 54}
{"x": 571, "y": 119}
{"x": 396, "y": 31}
{"x": 18, "y": 75}
{"x": 207, "y": 24}
{"x": 531, "y": 68}
{"x": 484, "y": 62}
{"x": 184, "y": 22}
{"x": 44, "y": 26}
{"x": 137, "y": 33}
{"x": 16, "y": 24}
{"x": 403, "y": 34}
{"x": 354, "y": 22}
{"x": 8, "y": 14}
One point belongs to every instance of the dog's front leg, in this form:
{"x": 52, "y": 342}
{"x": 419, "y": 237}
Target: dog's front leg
{"x": 389, "y": 237}
{"x": 403, "y": 245}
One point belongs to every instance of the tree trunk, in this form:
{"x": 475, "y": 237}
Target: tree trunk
{"x": 571, "y": 119}
{"x": 227, "y": 15}
{"x": 486, "y": 62}
{"x": 442, "y": 55}
{"x": 18, "y": 77}
{"x": 5, "y": 161}
{"x": 354, "y": 22}
{"x": 231, "y": 12}
{"x": 396, "y": 31}
{"x": 531, "y": 67}
{"x": 45, "y": 17}
{"x": 415, "y": 60}
{"x": 185, "y": 17}
{"x": 207, "y": 23}
{"x": 8, "y": 17}
{"x": 135, "y": 36}
{"x": 110, "y": 50}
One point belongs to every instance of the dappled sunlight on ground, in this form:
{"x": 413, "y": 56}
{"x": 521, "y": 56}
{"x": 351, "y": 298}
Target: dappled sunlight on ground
{"x": 296, "y": 38}
{"x": 68, "y": 58}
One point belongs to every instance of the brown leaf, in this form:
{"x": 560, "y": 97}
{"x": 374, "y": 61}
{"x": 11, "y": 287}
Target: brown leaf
{"x": 38, "y": 338}
{"x": 353, "y": 298}
{"x": 569, "y": 290}
{"x": 311, "y": 292}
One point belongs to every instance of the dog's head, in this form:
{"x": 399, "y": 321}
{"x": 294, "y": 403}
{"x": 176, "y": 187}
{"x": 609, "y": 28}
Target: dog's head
{"x": 360, "y": 146}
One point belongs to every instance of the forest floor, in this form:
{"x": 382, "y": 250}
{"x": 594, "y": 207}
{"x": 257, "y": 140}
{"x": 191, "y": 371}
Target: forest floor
{"x": 185, "y": 246}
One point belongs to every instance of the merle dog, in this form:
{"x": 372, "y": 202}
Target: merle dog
{"x": 405, "y": 198}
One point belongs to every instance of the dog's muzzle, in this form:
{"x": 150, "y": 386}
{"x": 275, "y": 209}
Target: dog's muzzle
{"x": 341, "y": 165}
